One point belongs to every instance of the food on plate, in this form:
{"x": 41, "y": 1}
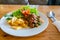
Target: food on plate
{"x": 25, "y": 17}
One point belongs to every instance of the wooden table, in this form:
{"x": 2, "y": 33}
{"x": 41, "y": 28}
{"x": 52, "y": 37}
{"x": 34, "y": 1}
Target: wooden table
{"x": 51, "y": 33}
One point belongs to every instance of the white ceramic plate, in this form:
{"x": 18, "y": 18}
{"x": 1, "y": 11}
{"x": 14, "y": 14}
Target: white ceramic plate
{"x": 23, "y": 32}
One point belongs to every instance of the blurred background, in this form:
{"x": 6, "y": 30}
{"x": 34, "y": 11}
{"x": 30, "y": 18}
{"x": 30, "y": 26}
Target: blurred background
{"x": 33, "y": 2}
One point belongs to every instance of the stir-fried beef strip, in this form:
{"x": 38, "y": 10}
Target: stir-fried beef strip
{"x": 32, "y": 20}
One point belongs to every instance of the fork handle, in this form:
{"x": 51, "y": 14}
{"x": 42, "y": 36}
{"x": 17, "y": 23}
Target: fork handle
{"x": 57, "y": 24}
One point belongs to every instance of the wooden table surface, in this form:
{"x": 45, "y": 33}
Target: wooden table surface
{"x": 51, "y": 33}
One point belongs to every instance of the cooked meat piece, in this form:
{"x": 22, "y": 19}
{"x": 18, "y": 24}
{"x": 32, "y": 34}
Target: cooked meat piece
{"x": 38, "y": 16}
{"x": 32, "y": 20}
{"x": 31, "y": 25}
{"x": 36, "y": 25}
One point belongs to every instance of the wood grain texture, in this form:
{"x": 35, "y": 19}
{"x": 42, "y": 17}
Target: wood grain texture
{"x": 51, "y": 33}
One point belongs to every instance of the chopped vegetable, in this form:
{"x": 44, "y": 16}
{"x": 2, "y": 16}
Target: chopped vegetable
{"x": 39, "y": 23}
{"x": 32, "y": 10}
{"x": 26, "y": 12}
{"x": 17, "y": 13}
{"x": 8, "y": 19}
{"x": 6, "y": 15}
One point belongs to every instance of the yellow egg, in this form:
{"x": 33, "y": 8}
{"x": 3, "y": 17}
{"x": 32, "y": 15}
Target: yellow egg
{"x": 16, "y": 27}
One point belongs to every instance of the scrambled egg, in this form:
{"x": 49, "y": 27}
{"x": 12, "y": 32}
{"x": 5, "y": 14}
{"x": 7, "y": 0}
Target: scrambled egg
{"x": 17, "y": 23}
